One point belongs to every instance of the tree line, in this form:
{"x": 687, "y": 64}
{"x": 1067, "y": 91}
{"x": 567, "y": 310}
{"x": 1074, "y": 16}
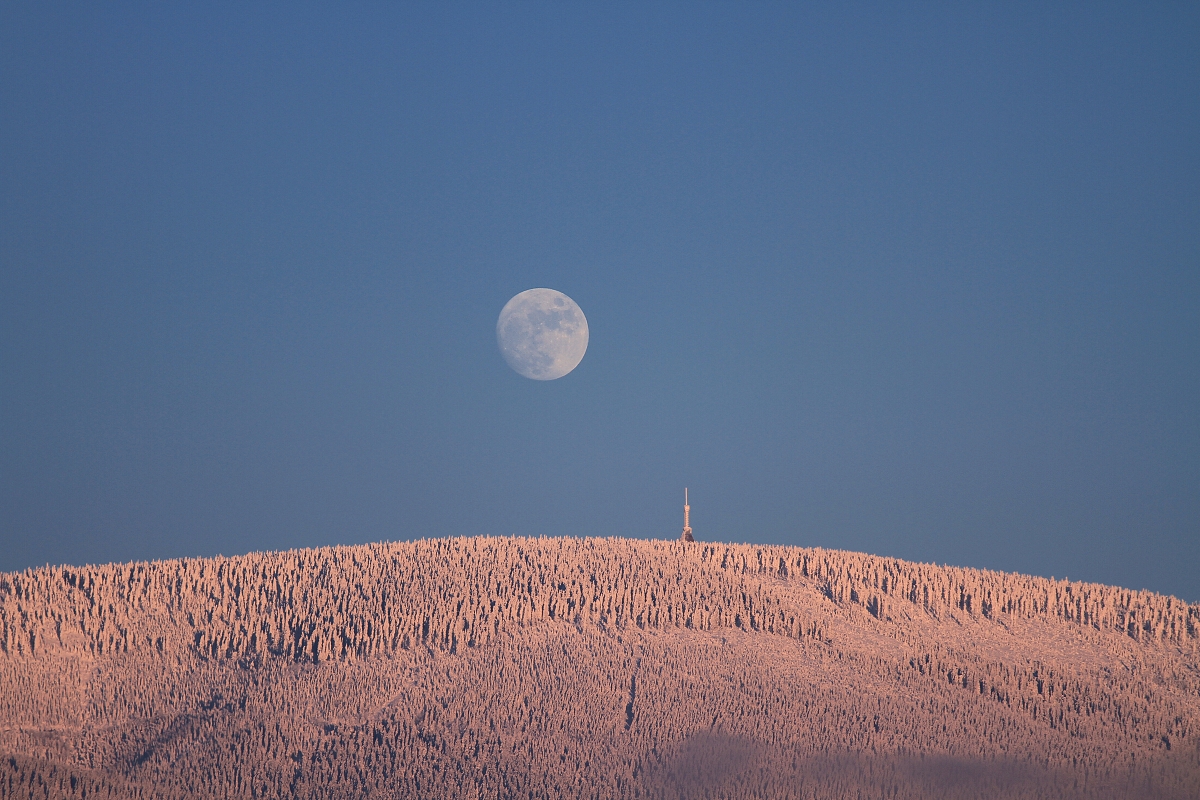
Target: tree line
{"x": 527, "y": 668}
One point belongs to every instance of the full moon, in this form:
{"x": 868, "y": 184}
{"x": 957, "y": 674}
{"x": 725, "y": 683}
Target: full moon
{"x": 542, "y": 334}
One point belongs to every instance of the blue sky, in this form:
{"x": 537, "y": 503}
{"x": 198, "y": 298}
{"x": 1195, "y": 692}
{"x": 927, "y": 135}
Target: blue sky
{"x": 919, "y": 282}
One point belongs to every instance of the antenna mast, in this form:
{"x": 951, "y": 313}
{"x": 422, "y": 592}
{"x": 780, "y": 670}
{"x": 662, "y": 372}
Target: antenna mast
{"x": 686, "y": 536}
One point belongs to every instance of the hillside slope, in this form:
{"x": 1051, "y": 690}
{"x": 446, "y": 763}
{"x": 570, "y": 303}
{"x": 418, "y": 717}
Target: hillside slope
{"x": 509, "y": 667}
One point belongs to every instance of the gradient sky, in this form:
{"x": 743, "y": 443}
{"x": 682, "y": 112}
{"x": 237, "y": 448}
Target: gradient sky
{"x": 921, "y": 283}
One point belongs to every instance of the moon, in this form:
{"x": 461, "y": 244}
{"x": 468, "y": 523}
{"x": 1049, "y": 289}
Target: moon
{"x": 542, "y": 334}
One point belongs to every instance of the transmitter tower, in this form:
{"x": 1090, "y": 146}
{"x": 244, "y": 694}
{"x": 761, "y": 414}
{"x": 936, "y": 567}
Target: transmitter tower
{"x": 686, "y": 536}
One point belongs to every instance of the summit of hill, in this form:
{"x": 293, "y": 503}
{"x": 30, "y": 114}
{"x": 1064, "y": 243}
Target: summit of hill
{"x": 485, "y": 667}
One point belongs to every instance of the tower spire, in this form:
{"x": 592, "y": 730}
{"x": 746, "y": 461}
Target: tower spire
{"x": 686, "y": 536}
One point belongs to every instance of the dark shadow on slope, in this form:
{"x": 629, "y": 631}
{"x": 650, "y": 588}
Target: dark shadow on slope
{"x": 707, "y": 762}
{"x": 711, "y": 765}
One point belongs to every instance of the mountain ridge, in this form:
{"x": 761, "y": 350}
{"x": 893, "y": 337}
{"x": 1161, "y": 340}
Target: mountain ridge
{"x": 130, "y": 674}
